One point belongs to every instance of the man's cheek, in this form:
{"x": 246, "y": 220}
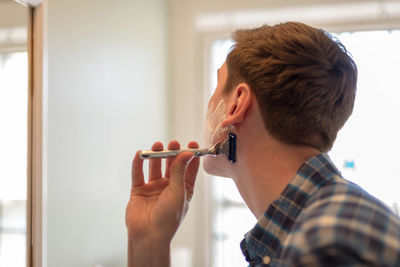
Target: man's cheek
{"x": 214, "y": 119}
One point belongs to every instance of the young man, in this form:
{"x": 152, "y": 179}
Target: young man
{"x": 285, "y": 91}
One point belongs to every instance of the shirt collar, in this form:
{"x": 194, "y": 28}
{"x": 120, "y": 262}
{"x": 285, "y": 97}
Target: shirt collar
{"x": 267, "y": 236}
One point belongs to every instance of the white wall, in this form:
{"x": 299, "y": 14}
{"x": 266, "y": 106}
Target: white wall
{"x": 105, "y": 85}
{"x": 13, "y": 22}
{"x": 12, "y": 14}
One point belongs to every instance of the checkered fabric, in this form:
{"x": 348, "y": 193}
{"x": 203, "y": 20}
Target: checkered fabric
{"x": 321, "y": 219}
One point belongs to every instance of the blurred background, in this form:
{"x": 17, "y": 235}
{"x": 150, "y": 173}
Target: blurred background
{"x": 119, "y": 75}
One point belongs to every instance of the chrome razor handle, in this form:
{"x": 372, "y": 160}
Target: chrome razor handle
{"x": 148, "y": 154}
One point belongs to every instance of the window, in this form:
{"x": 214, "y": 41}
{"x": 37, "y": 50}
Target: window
{"x": 13, "y": 158}
{"x": 365, "y": 150}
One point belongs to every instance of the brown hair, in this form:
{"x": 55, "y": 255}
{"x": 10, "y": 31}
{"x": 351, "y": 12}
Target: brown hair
{"x": 304, "y": 81}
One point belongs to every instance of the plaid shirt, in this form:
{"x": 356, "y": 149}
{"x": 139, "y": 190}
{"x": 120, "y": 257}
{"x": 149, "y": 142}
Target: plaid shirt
{"x": 322, "y": 219}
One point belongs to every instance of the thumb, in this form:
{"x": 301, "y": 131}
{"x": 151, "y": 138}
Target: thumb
{"x": 178, "y": 169}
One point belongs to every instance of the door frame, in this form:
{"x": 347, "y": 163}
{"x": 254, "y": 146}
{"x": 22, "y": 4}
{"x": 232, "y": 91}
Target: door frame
{"x": 34, "y": 250}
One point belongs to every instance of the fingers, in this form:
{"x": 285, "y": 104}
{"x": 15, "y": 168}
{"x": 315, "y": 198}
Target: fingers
{"x": 173, "y": 145}
{"x": 191, "y": 171}
{"x": 178, "y": 169}
{"x": 155, "y": 164}
{"x": 137, "y": 171}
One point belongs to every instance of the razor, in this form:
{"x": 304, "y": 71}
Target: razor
{"x": 227, "y": 148}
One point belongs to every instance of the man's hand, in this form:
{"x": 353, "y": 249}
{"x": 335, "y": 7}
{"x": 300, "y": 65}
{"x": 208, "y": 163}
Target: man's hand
{"x": 156, "y": 208}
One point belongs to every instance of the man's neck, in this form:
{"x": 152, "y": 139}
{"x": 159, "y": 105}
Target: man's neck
{"x": 265, "y": 169}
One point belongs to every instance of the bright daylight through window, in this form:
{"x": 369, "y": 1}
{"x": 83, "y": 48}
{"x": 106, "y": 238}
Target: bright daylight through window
{"x": 365, "y": 150}
{"x": 13, "y": 158}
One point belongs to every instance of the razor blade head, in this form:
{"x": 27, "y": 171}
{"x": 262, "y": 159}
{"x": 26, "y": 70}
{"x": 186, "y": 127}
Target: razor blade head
{"x": 232, "y": 147}
{"x": 228, "y": 148}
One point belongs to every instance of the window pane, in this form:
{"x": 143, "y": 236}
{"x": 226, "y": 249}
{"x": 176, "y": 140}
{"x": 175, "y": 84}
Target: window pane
{"x": 13, "y": 158}
{"x": 231, "y": 220}
{"x": 366, "y": 148}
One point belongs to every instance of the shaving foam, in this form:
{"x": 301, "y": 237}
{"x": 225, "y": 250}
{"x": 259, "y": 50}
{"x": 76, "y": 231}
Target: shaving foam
{"x": 215, "y": 117}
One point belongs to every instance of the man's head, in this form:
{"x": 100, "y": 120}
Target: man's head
{"x": 290, "y": 82}
{"x": 304, "y": 81}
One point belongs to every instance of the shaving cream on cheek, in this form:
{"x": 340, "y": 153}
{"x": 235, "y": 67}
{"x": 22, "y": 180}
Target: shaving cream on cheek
{"x": 215, "y": 117}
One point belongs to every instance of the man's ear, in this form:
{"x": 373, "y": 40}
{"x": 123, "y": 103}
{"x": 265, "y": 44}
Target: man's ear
{"x": 238, "y": 105}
